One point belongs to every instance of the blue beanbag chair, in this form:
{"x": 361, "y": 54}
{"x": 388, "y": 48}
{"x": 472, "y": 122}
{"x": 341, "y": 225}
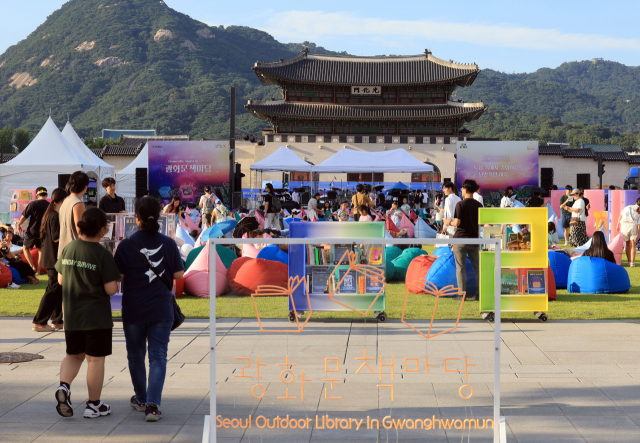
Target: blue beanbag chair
{"x": 591, "y": 275}
{"x": 443, "y": 273}
{"x": 16, "y": 277}
{"x": 183, "y": 235}
{"x": 423, "y": 230}
{"x": 287, "y": 220}
{"x": 559, "y": 264}
{"x": 274, "y": 253}
{"x": 401, "y": 263}
{"x": 442, "y": 250}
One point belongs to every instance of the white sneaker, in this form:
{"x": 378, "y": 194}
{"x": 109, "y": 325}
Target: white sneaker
{"x": 632, "y": 265}
{"x": 97, "y": 411}
{"x": 12, "y": 285}
{"x": 566, "y": 243}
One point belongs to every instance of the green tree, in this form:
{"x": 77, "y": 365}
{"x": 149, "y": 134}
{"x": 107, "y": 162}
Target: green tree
{"x": 21, "y": 139}
{"x": 6, "y": 139}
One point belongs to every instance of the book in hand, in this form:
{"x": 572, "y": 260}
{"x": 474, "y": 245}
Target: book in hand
{"x": 536, "y": 282}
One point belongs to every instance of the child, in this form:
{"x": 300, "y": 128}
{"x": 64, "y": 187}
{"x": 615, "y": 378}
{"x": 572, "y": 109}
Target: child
{"x": 343, "y": 213}
{"x": 327, "y": 211}
{"x": 89, "y": 276}
{"x": 395, "y": 213}
{"x": 365, "y": 214}
{"x": 220, "y": 213}
{"x": 405, "y": 207}
{"x": 193, "y": 212}
{"x": 552, "y": 230}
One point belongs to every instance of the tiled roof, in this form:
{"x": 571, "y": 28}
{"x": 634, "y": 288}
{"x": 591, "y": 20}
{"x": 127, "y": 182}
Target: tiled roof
{"x": 121, "y": 150}
{"x": 587, "y": 153}
{"x": 577, "y": 153}
{"x": 98, "y": 152}
{"x": 549, "y": 150}
{"x": 602, "y": 148}
{"x": 634, "y": 159}
{"x": 366, "y": 71}
{"x": 261, "y": 108}
{"x": 615, "y": 156}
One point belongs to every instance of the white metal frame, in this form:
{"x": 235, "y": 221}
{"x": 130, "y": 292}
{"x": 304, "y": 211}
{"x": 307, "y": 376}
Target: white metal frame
{"x": 209, "y": 431}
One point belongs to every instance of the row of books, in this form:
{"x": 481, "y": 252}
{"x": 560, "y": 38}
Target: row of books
{"x": 319, "y": 255}
{"x": 324, "y": 280}
{"x": 529, "y": 281}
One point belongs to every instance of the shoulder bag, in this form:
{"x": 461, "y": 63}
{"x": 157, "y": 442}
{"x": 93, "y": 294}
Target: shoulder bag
{"x": 178, "y": 316}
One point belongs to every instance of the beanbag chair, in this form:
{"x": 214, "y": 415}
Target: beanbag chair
{"x": 401, "y": 263}
{"x": 15, "y": 277}
{"x": 592, "y": 275}
{"x": 551, "y": 290}
{"x": 196, "y": 279}
{"x": 559, "y": 263}
{"x": 182, "y": 234}
{"x": 417, "y": 272}
{"x": 443, "y": 273}
{"x": 248, "y": 250}
{"x": 34, "y": 255}
{"x": 412, "y": 216}
{"x": 227, "y": 256}
{"x": 390, "y": 253}
{"x": 274, "y": 253}
{"x": 5, "y": 276}
{"x": 584, "y": 247}
{"x": 191, "y": 225}
{"x": 391, "y": 226}
{"x": 246, "y": 274}
{"x": 442, "y": 250}
{"x": 179, "y": 287}
{"x": 192, "y": 256}
{"x": 423, "y": 230}
{"x": 185, "y": 250}
{"x": 260, "y": 219}
{"x": 617, "y": 246}
{"x": 518, "y": 204}
{"x": 405, "y": 223}
{"x": 386, "y": 234}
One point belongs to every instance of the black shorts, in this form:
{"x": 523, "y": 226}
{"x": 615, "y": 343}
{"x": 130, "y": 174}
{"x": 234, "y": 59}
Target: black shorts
{"x": 207, "y": 219}
{"x": 94, "y": 343}
{"x": 30, "y": 242}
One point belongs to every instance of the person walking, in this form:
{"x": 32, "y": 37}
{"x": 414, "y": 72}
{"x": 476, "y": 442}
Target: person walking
{"x": 149, "y": 263}
{"x": 51, "y": 302}
{"x": 478, "y": 197}
{"x": 72, "y": 208}
{"x": 207, "y": 205}
{"x": 506, "y": 201}
{"x": 270, "y": 211}
{"x": 313, "y": 210}
{"x": 89, "y": 276}
{"x": 359, "y": 199}
{"x": 111, "y": 203}
{"x": 466, "y": 223}
{"x": 578, "y": 235}
{"x": 451, "y": 200}
{"x": 34, "y": 212}
{"x": 565, "y": 214}
{"x": 629, "y": 226}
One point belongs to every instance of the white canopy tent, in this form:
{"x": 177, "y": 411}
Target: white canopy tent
{"x": 102, "y": 169}
{"x": 283, "y": 159}
{"x": 126, "y": 179}
{"x": 349, "y": 160}
{"x": 47, "y": 156}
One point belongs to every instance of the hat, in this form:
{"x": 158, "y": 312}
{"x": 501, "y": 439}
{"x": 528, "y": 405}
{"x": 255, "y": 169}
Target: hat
{"x": 41, "y": 191}
{"x": 575, "y": 191}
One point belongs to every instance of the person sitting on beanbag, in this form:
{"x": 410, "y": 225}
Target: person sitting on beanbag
{"x": 599, "y": 248}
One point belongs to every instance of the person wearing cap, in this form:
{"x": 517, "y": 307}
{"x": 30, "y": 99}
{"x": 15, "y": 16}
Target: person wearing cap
{"x": 629, "y": 226}
{"x": 34, "y": 211}
{"x": 111, "y": 203}
{"x": 578, "y": 236}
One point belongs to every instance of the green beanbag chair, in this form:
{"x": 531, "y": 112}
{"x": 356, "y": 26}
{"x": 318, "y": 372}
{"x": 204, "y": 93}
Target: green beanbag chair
{"x": 401, "y": 263}
{"x": 390, "y": 253}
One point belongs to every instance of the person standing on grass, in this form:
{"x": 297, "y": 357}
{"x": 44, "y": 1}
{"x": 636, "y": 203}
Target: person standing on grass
{"x": 111, "y": 203}
{"x": 466, "y": 223}
{"x": 207, "y": 205}
{"x": 51, "y": 303}
{"x": 578, "y": 236}
{"x": 72, "y": 208}
{"x": 566, "y": 201}
{"x": 270, "y": 212}
{"x": 147, "y": 304}
{"x": 88, "y": 275}
{"x": 34, "y": 212}
{"x": 629, "y": 226}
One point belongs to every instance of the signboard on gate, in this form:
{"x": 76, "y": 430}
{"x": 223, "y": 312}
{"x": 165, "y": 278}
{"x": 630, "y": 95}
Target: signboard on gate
{"x": 183, "y": 168}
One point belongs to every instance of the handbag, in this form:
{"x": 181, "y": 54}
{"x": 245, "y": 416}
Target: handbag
{"x": 574, "y": 222}
{"x": 178, "y": 316}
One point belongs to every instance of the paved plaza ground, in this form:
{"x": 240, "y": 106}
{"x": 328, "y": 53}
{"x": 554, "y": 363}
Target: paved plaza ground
{"x": 562, "y": 382}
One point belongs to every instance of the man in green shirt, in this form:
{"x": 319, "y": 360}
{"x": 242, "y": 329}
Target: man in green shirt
{"x": 566, "y": 215}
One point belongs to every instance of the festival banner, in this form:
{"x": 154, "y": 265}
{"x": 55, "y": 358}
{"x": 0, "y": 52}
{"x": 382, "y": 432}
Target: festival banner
{"x": 184, "y": 168}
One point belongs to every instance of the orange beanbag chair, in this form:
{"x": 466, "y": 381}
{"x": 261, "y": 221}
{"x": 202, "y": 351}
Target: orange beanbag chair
{"x": 551, "y": 287}
{"x": 417, "y": 272}
{"x": 246, "y": 274}
{"x": 34, "y": 255}
{"x": 5, "y": 276}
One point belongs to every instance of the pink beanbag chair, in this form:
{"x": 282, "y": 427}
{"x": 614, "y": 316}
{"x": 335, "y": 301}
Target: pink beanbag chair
{"x": 248, "y": 250}
{"x": 617, "y": 246}
{"x": 196, "y": 279}
{"x": 260, "y": 219}
{"x": 412, "y": 216}
{"x": 405, "y": 223}
{"x": 378, "y": 218}
{"x": 246, "y": 274}
{"x": 191, "y": 225}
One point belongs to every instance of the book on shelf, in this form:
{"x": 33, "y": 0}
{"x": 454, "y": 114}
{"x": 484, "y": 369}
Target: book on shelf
{"x": 320, "y": 279}
{"x": 508, "y": 281}
{"x": 536, "y": 282}
{"x": 338, "y": 252}
{"x": 349, "y": 283}
{"x": 372, "y": 285}
{"x": 375, "y": 255}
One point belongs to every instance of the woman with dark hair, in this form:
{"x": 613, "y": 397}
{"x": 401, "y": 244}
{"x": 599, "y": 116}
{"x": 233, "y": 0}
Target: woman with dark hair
{"x": 14, "y": 261}
{"x": 365, "y": 213}
{"x": 173, "y": 207}
{"x": 70, "y": 213}
{"x": 149, "y": 263}
{"x": 578, "y": 235}
{"x": 599, "y": 248}
{"x": 51, "y": 303}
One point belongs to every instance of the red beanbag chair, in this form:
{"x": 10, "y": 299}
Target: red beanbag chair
{"x": 34, "y": 255}
{"x": 417, "y": 272}
{"x": 246, "y": 274}
{"x": 551, "y": 286}
{"x": 179, "y": 287}
{"x": 5, "y": 276}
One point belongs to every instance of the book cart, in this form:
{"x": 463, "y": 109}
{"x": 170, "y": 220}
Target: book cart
{"x": 332, "y": 284}
{"x": 524, "y": 279}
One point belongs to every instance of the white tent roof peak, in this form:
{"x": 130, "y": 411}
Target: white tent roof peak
{"x": 283, "y": 159}
{"x": 73, "y": 138}
{"x": 126, "y": 178}
{"x": 350, "y": 160}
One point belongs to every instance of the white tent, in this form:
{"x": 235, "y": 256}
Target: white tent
{"x": 283, "y": 159}
{"x": 48, "y": 155}
{"x": 101, "y": 168}
{"x": 126, "y": 179}
{"x": 349, "y": 160}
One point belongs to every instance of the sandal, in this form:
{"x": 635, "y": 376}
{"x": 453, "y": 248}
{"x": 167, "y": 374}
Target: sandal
{"x": 33, "y": 280}
{"x": 42, "y": 328}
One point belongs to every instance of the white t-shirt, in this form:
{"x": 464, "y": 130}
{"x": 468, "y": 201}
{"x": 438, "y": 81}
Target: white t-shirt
{"x": 450, "y": 206}
{"x": 295, "y": 197}
{"x": 579, "y": 204}
{"x": 630, "y": 215}
{"x": 478, "y": 197}
{"x": 506, "y": 202}
{"x": 311, "y": 206}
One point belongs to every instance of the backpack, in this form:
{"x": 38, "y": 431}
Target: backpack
{"x": 208, "y": 206}
{"x": 277, "y": 204}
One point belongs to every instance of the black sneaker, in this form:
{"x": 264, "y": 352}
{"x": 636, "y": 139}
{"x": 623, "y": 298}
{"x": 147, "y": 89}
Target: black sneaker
{"x": 152, "y": 413}
{"x": 63, "y": 396}
{"x": 93, "y": 411}
{"x": 135, "y": 405}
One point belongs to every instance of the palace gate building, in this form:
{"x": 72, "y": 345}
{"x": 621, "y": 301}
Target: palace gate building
{"x": 366, "y": 103}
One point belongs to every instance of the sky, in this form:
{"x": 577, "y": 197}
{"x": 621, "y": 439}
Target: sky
{"x": 509, "y": 36}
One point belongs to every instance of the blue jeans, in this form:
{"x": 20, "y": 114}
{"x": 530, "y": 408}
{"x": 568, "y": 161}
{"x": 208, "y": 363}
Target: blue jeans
{"x": 136, "y": 336}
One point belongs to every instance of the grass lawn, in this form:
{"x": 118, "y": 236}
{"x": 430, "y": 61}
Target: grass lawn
{"x": 25, "y": 301}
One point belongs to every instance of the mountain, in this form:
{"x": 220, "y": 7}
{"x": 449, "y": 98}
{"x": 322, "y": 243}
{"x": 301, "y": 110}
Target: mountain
{"x": 135, "y": 64}
{"x": 140, "y": 64}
